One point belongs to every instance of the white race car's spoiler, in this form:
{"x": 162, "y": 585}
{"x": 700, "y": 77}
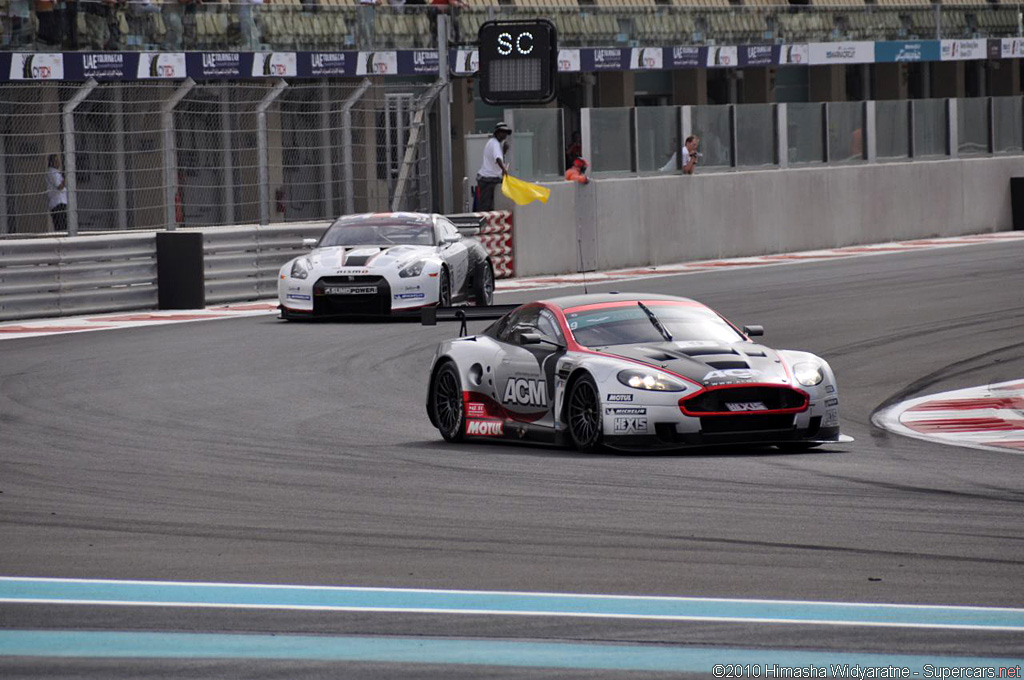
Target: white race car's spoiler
{"x": 431, "y": 315}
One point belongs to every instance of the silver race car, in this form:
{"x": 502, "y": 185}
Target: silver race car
{"x": 631, "y": 372}
{"x": 385, "y": 262}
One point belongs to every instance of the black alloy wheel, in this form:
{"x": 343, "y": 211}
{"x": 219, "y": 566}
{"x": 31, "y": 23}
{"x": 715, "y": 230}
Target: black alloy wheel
{"x": 483, "y": 285}
{"x": 446, "y": 401}
{"x": 444, "y": 290}
{"x": 584, "y": 408}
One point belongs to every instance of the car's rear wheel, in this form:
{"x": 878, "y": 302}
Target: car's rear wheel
{"x": 446, "y": 401}
{"x": 483, "y": 284}
{"x": 444, "y": 289}
{"x": 584, "y": 415}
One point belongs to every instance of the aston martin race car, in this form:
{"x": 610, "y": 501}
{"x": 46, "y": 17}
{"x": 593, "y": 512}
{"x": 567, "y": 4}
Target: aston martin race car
{"x": 381, "y": 263}
{"x": 631, "y": 372}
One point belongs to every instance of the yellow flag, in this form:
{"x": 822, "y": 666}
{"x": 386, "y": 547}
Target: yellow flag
{"x": 524, "y": 192}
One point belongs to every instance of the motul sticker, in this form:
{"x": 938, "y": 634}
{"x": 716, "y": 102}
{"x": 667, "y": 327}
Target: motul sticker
{"x": 485, "y": 428}
{"x": 475, "y": 409}
{"x": 525, "y": 392}
{"x": 630, "y": 425}
{"x": 620, "y": 397}
{"x": 746, "y": 406}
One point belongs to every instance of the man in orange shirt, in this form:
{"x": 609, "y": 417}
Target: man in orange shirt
{"x": 577, "y": 172}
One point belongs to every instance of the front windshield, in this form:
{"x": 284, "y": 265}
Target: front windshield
{"x": 383, "y": 233}
{"x": 627, "y": 324}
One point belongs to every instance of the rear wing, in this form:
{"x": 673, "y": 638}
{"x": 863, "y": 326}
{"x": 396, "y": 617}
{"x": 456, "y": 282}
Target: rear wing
{"x": 431, "y": 315}
{"x": 468, "y": 224}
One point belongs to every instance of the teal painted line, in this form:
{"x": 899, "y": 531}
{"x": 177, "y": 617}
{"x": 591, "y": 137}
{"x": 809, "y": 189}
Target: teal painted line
{"x": 146, "y": 593}
{"x": 78, "y": 644}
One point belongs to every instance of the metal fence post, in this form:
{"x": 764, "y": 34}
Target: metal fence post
{"x": 585, "y": 140}
{"x": 346, "y": 144}
{"x": 70, "y": 180}
{"x": 326, "y": 161}
{"x": 912, "y": 132}
{"x": 170, "y": 155}
{"x": 782, "y": 134}
{"x": 227, "y": 155}
{"x": 120, "y": 169}
{"x": 4, "y": 228}
{"x": 953, "y": 121}
{"x": 870, "y": 138}
{"x": 261, "y": 145}
{"x": 447, "y": 190}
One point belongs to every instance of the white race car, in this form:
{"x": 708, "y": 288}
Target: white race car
{"x": 631, "y": 372}
{"x": 381, "y": 263}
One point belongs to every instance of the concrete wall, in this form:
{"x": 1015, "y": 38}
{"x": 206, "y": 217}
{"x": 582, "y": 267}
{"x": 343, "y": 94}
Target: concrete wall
{"x": 661, "y": 220}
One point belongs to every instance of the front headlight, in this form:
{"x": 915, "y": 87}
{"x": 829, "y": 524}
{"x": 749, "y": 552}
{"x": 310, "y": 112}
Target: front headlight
{"x": 808, "y": 374}
{"x": 656, "y": 381}
{"x": 414, "y": 269}
{"x": 300, "y": 268}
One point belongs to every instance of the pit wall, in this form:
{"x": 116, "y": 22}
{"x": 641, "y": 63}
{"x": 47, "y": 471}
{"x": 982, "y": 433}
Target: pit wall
{"x": 660, "y": 220}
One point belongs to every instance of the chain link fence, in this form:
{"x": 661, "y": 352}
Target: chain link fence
{"x": 182, "y": 154}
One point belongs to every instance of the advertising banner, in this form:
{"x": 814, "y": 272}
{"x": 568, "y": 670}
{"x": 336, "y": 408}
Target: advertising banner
{"x": 605, "y": 60}
{"x": 36, "y": 66}
{"x": 759, "y": 55}
{"x": 842, "y": 53}
{"x": 962, "y": 50}
{"x": 645, "y": 58}
{"x": 466, "y": 62}
{"x": 275, "y": 64}
{"x": 207, "y": 65}
{"x": 377, "y": 64}
{"x": 325, "y": 64}
{"x": 723, "y": 56}
{"x": 161, "y": 65}
{"x": 898, "y": 51}
{"x": 792, "y": 55}
{"x": 569, "y": 61}
{"x": 418, "y": 62}
{"x": 1010, "y": 48}
{"x": 685, "y": 57}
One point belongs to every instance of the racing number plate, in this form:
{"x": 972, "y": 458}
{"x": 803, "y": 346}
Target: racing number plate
{"x": 350, "y": 290}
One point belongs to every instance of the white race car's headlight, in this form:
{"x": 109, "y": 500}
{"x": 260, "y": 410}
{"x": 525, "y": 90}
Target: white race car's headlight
{"x": 656, "y": 381}
{"x": 300, "y": 268}
{"x": 808, "y": 374}
{"x": 414, "y": 269}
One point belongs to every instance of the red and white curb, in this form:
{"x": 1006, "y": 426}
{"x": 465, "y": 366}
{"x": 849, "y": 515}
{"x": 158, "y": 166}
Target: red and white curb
{"x": 541, "y": 282}
{"x": 104, "y": 322}
{"x": 990, "y": 417}
{"x": 96, "y": 322}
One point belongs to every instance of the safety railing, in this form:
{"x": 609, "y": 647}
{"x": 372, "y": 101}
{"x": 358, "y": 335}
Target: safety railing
{"x": 150, "y": 25}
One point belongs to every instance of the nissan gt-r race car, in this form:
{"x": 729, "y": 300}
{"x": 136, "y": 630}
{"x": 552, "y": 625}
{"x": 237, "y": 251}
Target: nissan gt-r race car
{"x": 386, "y": 262}
{"x": 631, "y": 372}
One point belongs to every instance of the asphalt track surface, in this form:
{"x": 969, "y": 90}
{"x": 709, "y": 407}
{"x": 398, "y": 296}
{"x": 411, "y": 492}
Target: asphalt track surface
{"x": 258, "y": 451}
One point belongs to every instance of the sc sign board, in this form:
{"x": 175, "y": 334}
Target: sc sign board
{"x": 518, "y": 62}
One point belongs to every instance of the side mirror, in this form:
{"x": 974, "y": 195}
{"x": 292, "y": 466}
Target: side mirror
{"x": 309, "y": 242}
{"x": 753, "y": 331}
{"x": 452, "y": 239}
{"x": 537, "y": 339}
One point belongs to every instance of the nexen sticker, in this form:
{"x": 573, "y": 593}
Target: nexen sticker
{"x": 292, "y": 296}
{"x": 627, "y": 411}
{"x": 630, "y": 425}
{"x": 485, "y": 428}
{"x": 410, "y": 296}
{"x": 526, "y": 392}
{"x": 832, "y": 402}
{"x": 620, "y": 397}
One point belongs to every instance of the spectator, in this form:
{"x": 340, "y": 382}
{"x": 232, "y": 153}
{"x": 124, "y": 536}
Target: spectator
{"x": 493, "y": 168}
{"x": 57, "y": 194}
{"x": 574, "y": 150}
{"x": 437, "y": 6}
{"x": 71, "y": 24}
{"x": 577, "y": 172}
{"x": 247, "y": 23}
{"x": 48, "y": 15}
{"x": 690, "y": 156}
{"x": 366, "y": 33}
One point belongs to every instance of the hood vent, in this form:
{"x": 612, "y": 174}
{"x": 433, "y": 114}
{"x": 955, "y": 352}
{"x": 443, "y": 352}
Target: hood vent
{"x": 725, "y": 365}
{"x": 706, "y": 351}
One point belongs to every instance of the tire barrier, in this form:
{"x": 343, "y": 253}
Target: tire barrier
{"x": 496, "y": 234}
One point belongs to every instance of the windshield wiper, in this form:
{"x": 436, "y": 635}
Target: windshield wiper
{"x": 654, "y": 320}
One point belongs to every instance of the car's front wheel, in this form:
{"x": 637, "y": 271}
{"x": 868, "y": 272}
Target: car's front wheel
{"x": 584, "y": 415}
{"x": 446, "y": 402}
{"x": 444, "y": 289}
{"x": 483, "y": 285}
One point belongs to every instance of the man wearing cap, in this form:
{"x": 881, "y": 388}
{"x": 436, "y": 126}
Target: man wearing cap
{"x": 493, "y": 168}
{"x": 577, "y": 172}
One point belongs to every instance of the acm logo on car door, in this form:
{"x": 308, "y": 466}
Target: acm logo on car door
{"x": 525, "y": 392}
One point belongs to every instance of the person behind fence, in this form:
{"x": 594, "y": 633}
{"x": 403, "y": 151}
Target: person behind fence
{"x": 577, "y": 172}
{"x": 57, "y": 194}
{"x": 493, "y": 168}
{"x": 690, "y": 156}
